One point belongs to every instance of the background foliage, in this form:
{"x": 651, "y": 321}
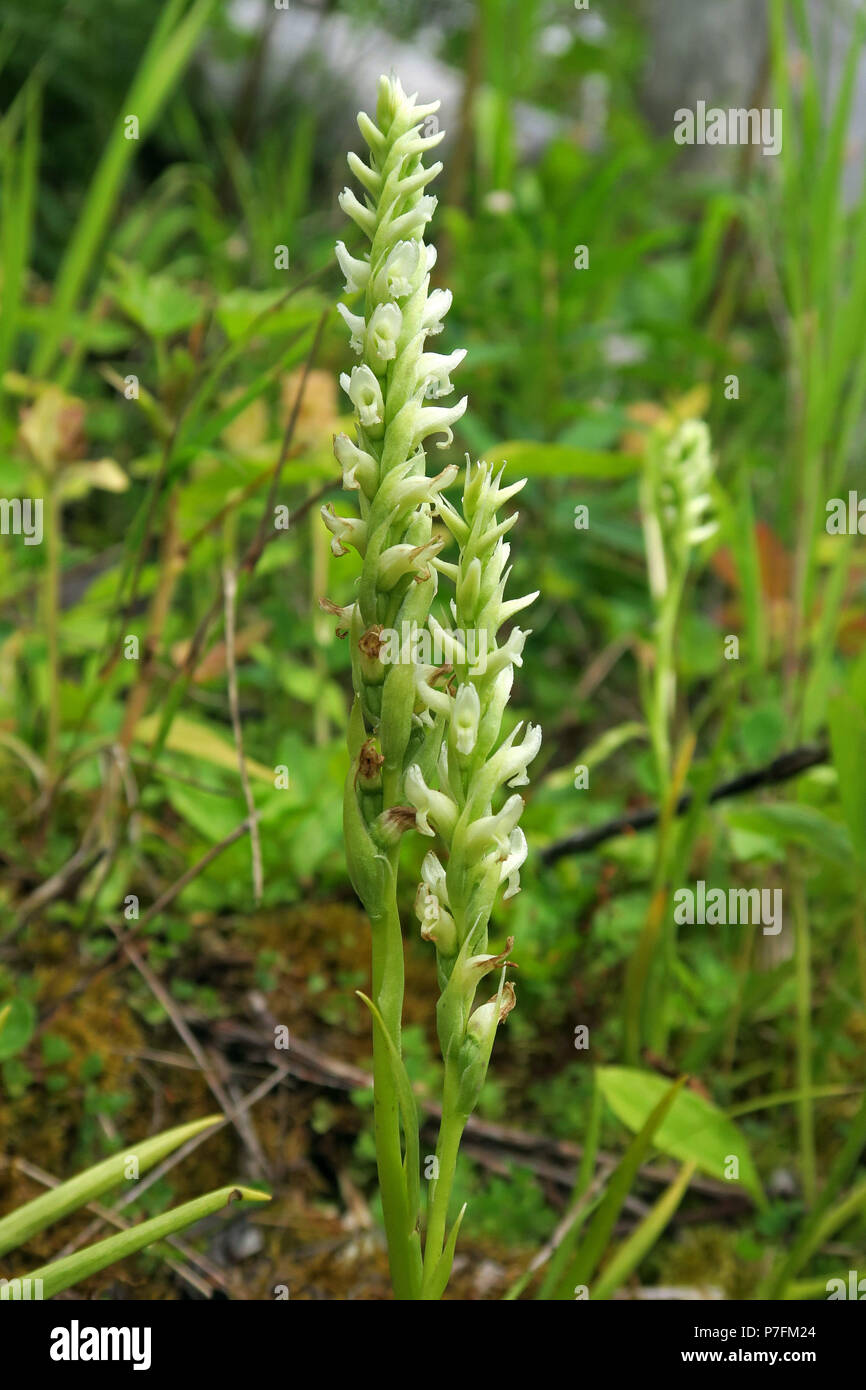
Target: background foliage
{"x": 154, "y": 260}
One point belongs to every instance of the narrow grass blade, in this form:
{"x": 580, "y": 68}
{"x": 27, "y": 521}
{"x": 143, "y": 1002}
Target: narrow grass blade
{"x": 408, "y": 1110}
{"x": 585, "y": 1172}
{"x": 86, "y": 1187}
{"x": 442, "y": 1272}
{"x": 593, "y": 1247}
{"x": 62, "y": 1274}
{"x": 628, "y": 1256}
{"x": 811, "y": 1231}
{"x": 170, "y": 49}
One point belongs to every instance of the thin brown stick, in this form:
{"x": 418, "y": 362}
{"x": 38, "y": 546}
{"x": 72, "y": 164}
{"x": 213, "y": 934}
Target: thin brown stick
{"x": 173, "y": 1159}
{"x": 223, "y": 1099}
{"x": 309, "y": 1063}
{"x": 162, "y": 902}
{"x": 781, "y": 769}
{"x": 252, "y": 556}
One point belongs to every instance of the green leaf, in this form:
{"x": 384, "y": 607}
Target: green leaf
{"x": 599, "y": 1231}
{"x": 21, "y": 1224}
{"x": 19, "y": 1021}
{"x": 174, "y": 39}
{"x": 159, "y": 305}
{"x": 694, "y": 1131}
{"x": 267, "y": 312}
{"x": 188, "y": 736}
{"x": 626, "y": 1258}
{"x": 62, "y": 1274}
{"x": 55, "y": 1049}
{"x": 811, "y": 1229}
{"x": 790, "y": 823}
{"x": 442, "y": 1272}
{"x": 529, "y": 459}
{"x": 408, "y": 1110}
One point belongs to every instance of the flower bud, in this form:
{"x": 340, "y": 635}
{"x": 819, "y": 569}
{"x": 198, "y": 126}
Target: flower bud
{"x": 465, "y": 715}
{"x": 343, "y": 614}
{"x": 370, "y": 760}
{"x": 357, "y": 272}
{"x": 388, "y": 829}
{"x": 364, "y": 217}
{"x": 370, "y": 655}
{"x": 511, "y": 862}
{"x": 437, "y": 924}
{"x": 356, "y": 326}
{"x": 433, "y": 875}
{"x": 485, "y": 1020}
{"x": 436, "y": 308}
{"x": 383, "y": 332}
{"x": 365, "y": 393}
{"x": 427, "y": 801}
{"x": 403, "y": 263}
{"x": 360, "y": 470}
{"x": 345, "y": 530}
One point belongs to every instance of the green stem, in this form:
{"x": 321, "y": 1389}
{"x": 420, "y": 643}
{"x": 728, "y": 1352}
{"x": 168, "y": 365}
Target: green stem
{"x": 51, "y": 601}
{"x": 860, "y": 939}
{"x": 654, "y": 1004}
{"x": 805, "y": 1104}
{"x": 388, "y": 983}
{"x": 451, "y": 1129}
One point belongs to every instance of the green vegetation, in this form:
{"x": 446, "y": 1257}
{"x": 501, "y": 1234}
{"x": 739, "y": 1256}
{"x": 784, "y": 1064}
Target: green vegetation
{"x": 670, "y": 353}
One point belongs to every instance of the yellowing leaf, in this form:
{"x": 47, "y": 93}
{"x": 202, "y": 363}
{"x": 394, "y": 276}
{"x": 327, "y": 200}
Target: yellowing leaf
{"x": 198, "y": 741}
{"x": 78, "y": 479}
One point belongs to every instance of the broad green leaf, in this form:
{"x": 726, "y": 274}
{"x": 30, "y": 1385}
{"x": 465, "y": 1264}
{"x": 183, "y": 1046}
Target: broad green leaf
{"x": 789, "y": 823}
{"x": 694, "y": 1131}
{"x": 20, "y": 1020}
{"x": 158, "y": 304}
{"x": 21, "y": 1224}
{"x": 188, "y": 736}
{"x": 62, "y": 1274}
{"x": 266, "y": 312}
{"x": 529, "y": 459}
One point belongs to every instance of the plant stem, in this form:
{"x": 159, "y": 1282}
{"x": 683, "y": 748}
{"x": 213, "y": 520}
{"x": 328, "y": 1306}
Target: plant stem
{"x": 388, "y": 983}
{"x": 51, "y": 598}
{"x": 805, "y": 1105}
{"x": 447, "y": 1146}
